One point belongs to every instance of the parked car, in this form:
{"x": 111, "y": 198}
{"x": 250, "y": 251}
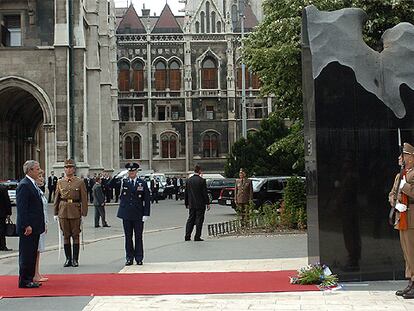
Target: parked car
{"x": 266, "y": 190}
{"x": 214, "y": 187}
{"x": 11, "y": 186}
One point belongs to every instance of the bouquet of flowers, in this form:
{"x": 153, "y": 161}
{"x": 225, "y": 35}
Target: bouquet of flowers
{"x": 315, "y": 274}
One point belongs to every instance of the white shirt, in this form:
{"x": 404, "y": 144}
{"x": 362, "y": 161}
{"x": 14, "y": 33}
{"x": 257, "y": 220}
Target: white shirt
{"x": 32, "y": 180}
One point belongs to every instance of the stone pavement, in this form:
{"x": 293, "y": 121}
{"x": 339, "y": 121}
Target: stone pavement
{"x": 373, "y": 296}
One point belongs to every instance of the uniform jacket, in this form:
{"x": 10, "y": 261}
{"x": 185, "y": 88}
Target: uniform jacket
{"x": 243, "y": 191}
{"x": 5, "y": 204}
{"x": 196, "y": 192}
{"x": 134, "y": 200}
{"x": 98, "y": 195}
{"x": 29, "y": 208}
{"x": 74, "y": 191}
{"x": 51, "y": 182}
{"x": 408, "y": 189}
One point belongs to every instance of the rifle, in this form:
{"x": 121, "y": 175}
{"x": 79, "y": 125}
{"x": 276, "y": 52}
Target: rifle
{"x": 391, "y": 216}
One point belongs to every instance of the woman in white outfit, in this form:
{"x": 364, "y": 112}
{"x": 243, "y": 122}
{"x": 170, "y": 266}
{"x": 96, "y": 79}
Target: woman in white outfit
{"x": 38, "y": 277}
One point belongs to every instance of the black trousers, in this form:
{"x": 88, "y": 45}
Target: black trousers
{"x": 99, "y": 213}
{"x": 27, "y": 257}
{"x": 2, "y": 233}
{"x": 195, "y": 218}
{"x": 51, "y": 193}
{"x": 133, "y": 250}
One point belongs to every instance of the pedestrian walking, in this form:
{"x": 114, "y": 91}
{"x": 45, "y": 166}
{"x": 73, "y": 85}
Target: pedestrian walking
{"x": 38, "y": 277}
{"x": 5, "y": 212}
{"x": 30, "y": 223}
{"x": 243, "y": 194}
{"x": 196, "y": 201}
{"x": 71, "y": 204}
{"x": 134, "y": 210}
{"x": 405, "y": 215}
{"x": 99, "y": 203}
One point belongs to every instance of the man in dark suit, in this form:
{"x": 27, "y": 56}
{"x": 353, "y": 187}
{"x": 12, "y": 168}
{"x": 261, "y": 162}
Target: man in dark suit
{"x": 30, "y": 223}
{"x": 134, "y": 210}
{"x": 51, "y": 185}
{"x": 5, "y": 211}
{"x": 196, "y": 200}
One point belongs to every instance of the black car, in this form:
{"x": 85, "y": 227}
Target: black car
{"x": 266, "y": 190}
{"x": 214, "y": 187}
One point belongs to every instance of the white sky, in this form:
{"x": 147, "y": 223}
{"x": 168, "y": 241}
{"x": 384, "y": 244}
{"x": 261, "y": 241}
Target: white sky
{"x": 155, "y": 5}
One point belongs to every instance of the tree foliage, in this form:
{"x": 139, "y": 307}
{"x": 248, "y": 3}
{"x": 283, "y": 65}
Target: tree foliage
{"x": 273, "y": 50}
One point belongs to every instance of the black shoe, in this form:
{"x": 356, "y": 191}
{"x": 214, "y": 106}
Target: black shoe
{"x": 75, "y": 263}
{"x": 198, "y": 239}
{"x": 5, "y": 249}
{"x": 409, "y": 294}
{"x": 30, "y": 285}
{"x": 97, "y": 226}
{"x": 68, "y": 263}
{"x": 128, "y": 262}
{"x": 187, "y": 239}
{"x": 139, "y": 263}
{"x": 106, "y": 226}
{"x": 401, "y": 292}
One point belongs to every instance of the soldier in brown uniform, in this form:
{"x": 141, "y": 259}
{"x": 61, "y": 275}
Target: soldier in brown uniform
{"x": 405, "y": 217}
{"x": 71, "y": 203}
{"x": 243, "y": 194}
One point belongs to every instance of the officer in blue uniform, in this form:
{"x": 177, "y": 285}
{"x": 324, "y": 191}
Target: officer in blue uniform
{"x": 134, "y": 210}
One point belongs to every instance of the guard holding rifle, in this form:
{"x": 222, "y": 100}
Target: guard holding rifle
{"x": 401, "y": 198}
{"x": 71, "y": 203}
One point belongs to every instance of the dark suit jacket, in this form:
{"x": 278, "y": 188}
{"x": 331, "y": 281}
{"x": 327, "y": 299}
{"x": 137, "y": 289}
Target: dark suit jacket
{"x": 98, "y": 195}
{"x": 196, "y": 192}
{"x": 29, "y": 208}
{"x": 50, "y": 180}
{"x": 5, "y": 204}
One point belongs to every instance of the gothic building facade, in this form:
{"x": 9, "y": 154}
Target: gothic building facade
{"x": 179, "y": 77}
{"x": 58, "y": 85}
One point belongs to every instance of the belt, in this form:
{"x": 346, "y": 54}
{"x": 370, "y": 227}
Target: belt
{"x": 70, "y": 200}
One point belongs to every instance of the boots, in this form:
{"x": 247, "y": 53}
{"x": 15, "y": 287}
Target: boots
{"x": 75, "y": 262}
{"x": 68, "y": 253}
{"x": 402, "y": 292}
{"x": 410, "y": 293}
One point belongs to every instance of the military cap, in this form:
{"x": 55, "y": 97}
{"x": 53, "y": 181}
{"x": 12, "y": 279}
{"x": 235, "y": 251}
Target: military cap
{"x": 132, "y": 166}
{"x": 242, "y": 170}
{"x": 408, "y": 149}
{"x": 69, "y": 163}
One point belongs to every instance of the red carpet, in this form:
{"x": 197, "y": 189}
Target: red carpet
{"x": 118, "y": 284}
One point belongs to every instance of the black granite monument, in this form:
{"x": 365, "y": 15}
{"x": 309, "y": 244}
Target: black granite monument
{"x": 355, "y": 99}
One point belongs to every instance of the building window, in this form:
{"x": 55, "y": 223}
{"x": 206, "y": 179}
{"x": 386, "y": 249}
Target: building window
{"x": 210, "y": 140}
{"x": 123, "y": 76}
{"x": 208, "y": 16}
{"x": 11, "y": 30}
{"x": 255, "y": 81}
{"x": 132, "y": 146}
{"x": 210, "y": 112}
{"x": 175, "y": 76}
{"x": 239, "y": 78}
{"x": 213, "y": 22}
{"x": 138, "y": 76}
{"x": 160, "y": 76}
{"x": 258, "y": 111}
{"x": 169, "y": 145}
{"x": 202, "y": 18}
{"x": 162, "y": 113}
{"x": 197, "y": 27}
{"x": 138, "y": 113}
{"x": 209, "y": 74}
{"x": 218, "y": 27}
{"x": 175, "y": 114}
{"x": 124, "y": 113}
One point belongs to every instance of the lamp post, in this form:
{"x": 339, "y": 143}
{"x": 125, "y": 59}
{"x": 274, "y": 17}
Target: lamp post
{"x": 244, "y": 112}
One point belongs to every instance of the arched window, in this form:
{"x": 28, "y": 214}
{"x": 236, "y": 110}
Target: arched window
{"x": 160, "y": 76}
{"x": 123, "y": 76}
{"x": 197, "y": 27}
{"x": 132, "y": 146}
{"x": 218, "y": 27}
{"x": 239, "y": 77}
{"x": 203, "y": 20}
{"x": 210, "y": 142}
{"x": 208, "y": 17}
{"x": 138, "y": 76}
{"x": 209, "y": 77}
{"x": 255, "y": 81}
{"x": 169, "y": 145}
{"x": 175, "y": 76}
{"x": 213, "y": 22}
